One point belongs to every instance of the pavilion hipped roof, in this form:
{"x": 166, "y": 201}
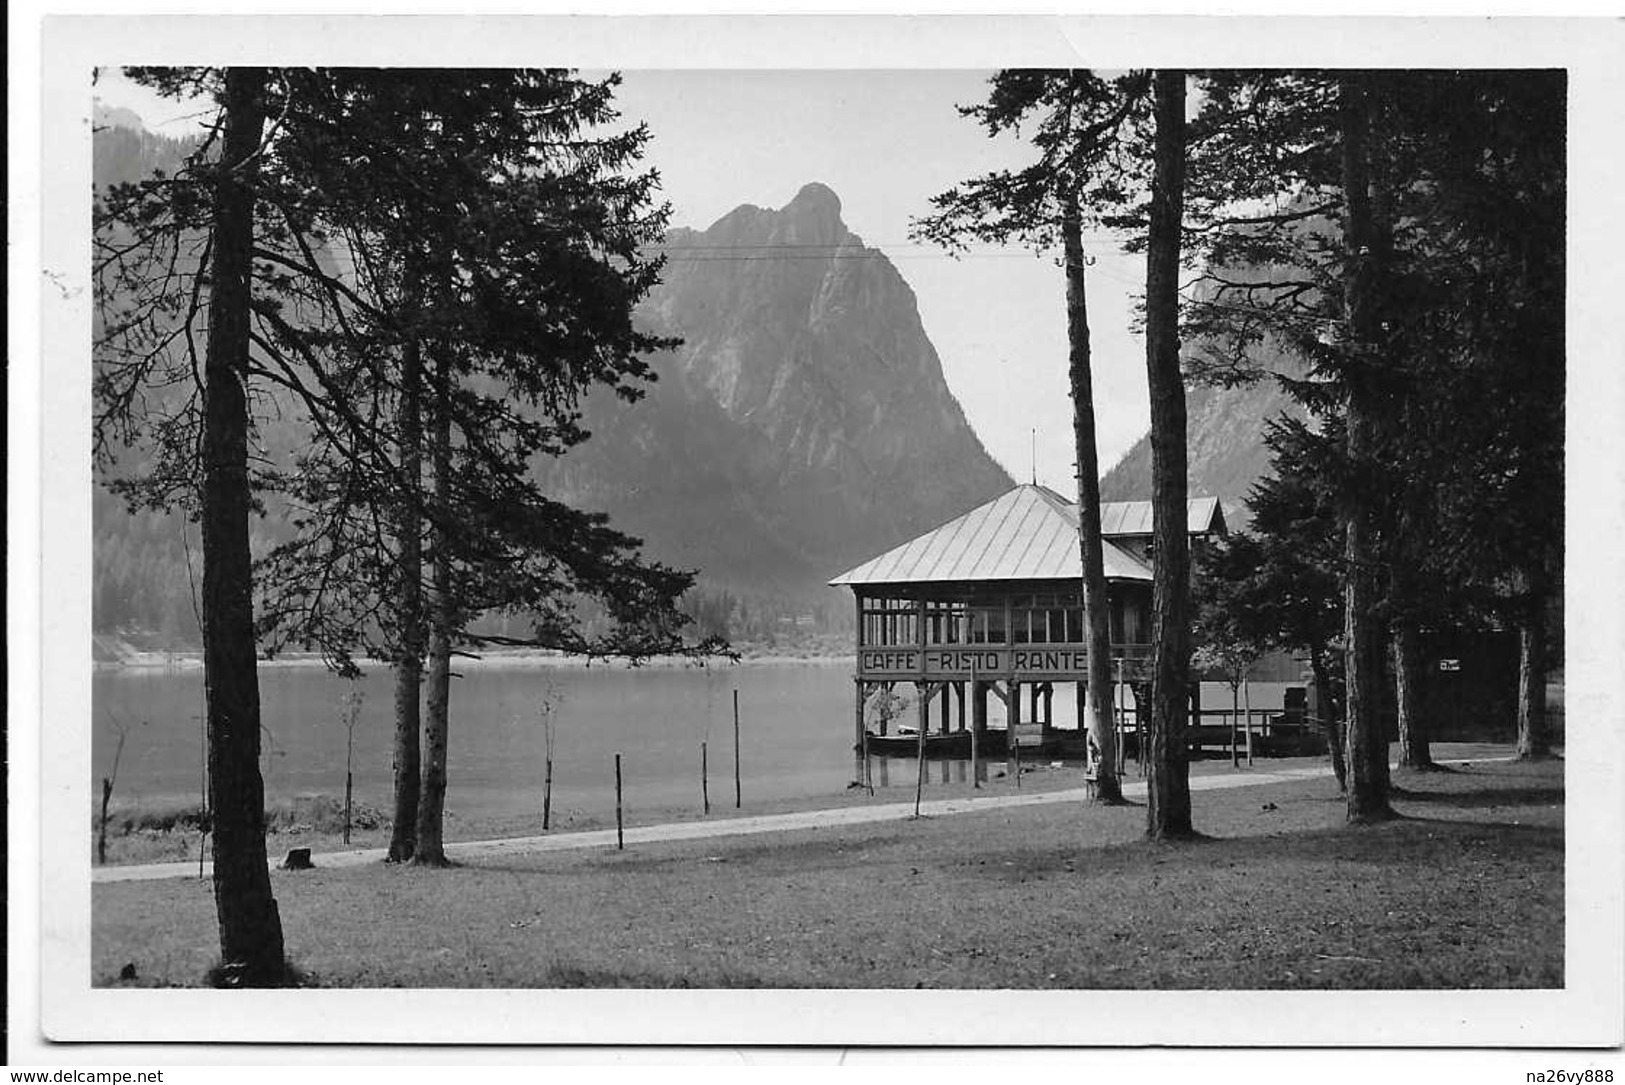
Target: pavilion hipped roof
{"x": 1028, "y": 533}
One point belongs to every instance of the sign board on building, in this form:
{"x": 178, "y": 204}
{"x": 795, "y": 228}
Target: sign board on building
{"x": 1032, "y": 663}
{"x": 1450, "y": 664}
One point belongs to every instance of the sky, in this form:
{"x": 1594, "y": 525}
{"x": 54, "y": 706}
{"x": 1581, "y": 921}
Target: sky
{"x": 886, "y": 141}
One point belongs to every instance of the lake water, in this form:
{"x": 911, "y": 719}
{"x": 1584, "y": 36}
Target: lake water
{"x": 796, "y": 735}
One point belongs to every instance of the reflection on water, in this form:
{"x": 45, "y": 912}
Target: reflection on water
{"x": 902, "y": 772}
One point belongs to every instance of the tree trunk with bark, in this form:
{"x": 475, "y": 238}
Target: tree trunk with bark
{"x": 1102, "y": 737}
{"x": 1329, "y": 717}
{"x": 1367, "y": 745}
{"x": 1534, "y": 741}
{"x": 1405, "y": 643}
{"x": 251, "y": 947}
{"x": 1168, "y": 796}
{"x": 431, "y": 847}
{"x": 409, "y": 663}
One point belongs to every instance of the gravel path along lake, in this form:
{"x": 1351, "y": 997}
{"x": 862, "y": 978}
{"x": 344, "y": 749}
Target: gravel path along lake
{"x": 737, "y": 826}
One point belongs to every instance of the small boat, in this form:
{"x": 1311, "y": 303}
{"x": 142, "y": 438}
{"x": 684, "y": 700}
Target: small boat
{"x": 905, "y": 742}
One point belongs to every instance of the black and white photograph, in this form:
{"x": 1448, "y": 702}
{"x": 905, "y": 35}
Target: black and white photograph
{"x": 863, "y": 533}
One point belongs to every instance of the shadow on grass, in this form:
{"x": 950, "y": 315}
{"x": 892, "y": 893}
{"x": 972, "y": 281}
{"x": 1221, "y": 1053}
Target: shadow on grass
{"x": 1483, "y": 798}
{"x": 1395, "y": 842}
{"x": 1430, "y": 769}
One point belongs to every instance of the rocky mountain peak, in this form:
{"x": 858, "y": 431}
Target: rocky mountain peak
{"x": 816, "y": 211}
{"x": 803, "y": 425}
{"x": 106, "y": 116}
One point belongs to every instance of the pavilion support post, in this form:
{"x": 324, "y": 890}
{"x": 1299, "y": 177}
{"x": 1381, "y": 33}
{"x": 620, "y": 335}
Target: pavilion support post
{"x": 924, "y": 699}
{"x": 959, "y": 696}
{"x": 979, "y": 726}
{"x": 975, "y": 751}
{"x": 1012, "y": 724}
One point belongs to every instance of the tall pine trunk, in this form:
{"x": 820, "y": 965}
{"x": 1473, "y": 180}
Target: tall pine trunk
{"x": 251, "y": 948}
{"x": 1097, "y": 709}
{"x": 409, "y": 664}
{"x": 1168, "y": 796}
{"x": 431, "y": 845}
{"x": 1413, "y": 739}
{"x": 1366, "y": 743}
{"x": 1534, "y": 741}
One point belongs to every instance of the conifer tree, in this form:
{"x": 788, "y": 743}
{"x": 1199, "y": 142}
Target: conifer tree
{"x": 1081, "y": 123}
{"x": 360, "y": 241}
{"x": 203, "y": 220}
{"x": 1168, "y": 796}
{"x": 1393, "y": 220}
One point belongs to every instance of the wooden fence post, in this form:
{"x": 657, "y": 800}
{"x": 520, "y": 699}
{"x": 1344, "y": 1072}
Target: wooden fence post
{"x": 737, "y": 793}
{"x": 620, "y": 840}
{"x": 1247, "y": 698}
{"x": 547, "y": 794}
{"x": 1235, "y": 727}
{"x": 868, "y": 768}
{"x": 705, "y": 780}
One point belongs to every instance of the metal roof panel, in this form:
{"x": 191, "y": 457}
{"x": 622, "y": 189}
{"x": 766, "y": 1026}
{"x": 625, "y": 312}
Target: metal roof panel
{"x": 1027, "y": 533}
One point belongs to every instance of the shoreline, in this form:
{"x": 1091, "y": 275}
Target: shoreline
{"x": 1037, "y": 778}
{"x": 174, "y": 663}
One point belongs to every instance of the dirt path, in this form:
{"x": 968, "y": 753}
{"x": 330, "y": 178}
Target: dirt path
{"x": 738, "y": 826}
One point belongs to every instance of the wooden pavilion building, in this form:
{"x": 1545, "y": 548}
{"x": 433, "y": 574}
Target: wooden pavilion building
{"x": 991, "y": 603}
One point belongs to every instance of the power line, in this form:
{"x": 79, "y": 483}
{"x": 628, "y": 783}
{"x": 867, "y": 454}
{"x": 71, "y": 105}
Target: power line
{"x": 699, "y": 253}
{"x": 677, "y": 256}
{"x": 778, "y": 246}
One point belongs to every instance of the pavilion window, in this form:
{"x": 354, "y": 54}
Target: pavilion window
{"x": 987, "y": 625}
{"x": 889, "y": 623}
{"x": 1133, "y": 622}
{"x": 945, "y": 623}
{"x": 902, "y": 623}
{"x": 1040, "y": 619}
{"x": 1021, "y": 617}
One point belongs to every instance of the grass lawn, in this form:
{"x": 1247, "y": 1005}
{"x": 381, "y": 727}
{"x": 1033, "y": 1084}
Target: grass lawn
{"x": 1465, "y": 890}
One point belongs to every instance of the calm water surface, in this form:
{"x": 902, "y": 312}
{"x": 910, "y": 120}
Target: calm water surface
{"x": 795, "y": 735}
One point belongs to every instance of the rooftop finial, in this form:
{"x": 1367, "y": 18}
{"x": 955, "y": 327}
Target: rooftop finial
{"x": 1035, "y": 455}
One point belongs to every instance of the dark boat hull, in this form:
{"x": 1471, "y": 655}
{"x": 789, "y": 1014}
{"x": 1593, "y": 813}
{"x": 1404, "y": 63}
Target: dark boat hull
{"x": 954, "y": 744}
